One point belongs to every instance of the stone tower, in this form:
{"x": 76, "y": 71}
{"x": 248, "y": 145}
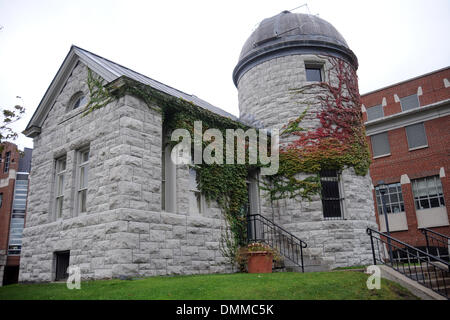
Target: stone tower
{"x": 278, "y": 76}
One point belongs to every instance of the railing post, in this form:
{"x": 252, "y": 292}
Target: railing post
{"x": 369, "y": 231}
{"x": 301, "y": 257}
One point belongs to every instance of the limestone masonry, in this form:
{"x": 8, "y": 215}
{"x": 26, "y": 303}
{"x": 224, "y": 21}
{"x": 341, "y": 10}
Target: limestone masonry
{"x": 98, "y": 182}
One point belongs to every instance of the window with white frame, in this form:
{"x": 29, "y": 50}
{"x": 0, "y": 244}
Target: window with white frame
{"x": 428, "y": 192}
{"x": 416, "y": 136}
{"x": 82, "y": 177}
{"x": 375, "y": 112}
{"x": 409, "y": 102}
{"x": 380, "y": 144}
{"x": 7, "y": 161}
{"x": 393, "y": 199}
{"x": 195, "y": 196}
{"x": 60, "y": 172}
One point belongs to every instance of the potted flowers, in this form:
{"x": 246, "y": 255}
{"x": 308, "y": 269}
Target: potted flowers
{"x": 258, "y": 257}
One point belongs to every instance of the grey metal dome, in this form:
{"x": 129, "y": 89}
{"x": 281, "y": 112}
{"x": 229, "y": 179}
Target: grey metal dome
{"x": 291, "y": 33}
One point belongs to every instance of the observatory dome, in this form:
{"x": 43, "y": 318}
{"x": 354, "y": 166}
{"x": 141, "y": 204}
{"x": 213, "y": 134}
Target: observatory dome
{"x": 290, "y": 33}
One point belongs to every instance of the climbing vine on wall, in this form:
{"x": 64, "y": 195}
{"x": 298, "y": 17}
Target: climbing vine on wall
{"x": 337, "y": 143}
{"x": 223, "y": 183}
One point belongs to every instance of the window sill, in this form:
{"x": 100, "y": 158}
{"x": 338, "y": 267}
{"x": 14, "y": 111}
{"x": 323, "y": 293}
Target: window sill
{"x": 418, "y": 148}
{"x": 382, "y": 156}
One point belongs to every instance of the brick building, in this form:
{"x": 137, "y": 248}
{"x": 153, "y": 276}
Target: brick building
{"x": 408, "y": 130}
{"x": 14, "y": 170}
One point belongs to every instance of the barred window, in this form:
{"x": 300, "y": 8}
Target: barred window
{"x": 375, "y": 112}
{"x": 332, "y": 200}
{"x": 428, "y": 193}
{"x": 393, "y": 199}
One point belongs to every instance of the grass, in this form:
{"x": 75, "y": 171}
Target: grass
{"x": 274, "y": 286}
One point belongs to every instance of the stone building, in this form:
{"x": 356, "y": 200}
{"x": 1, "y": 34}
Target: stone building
{"x": 105, "y": 196}
{"x": 291, "y": 51}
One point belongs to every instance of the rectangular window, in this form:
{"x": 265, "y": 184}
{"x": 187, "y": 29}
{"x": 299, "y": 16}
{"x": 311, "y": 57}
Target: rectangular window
{"x": 409, "y": 102}
{"x": 380, "y": 144}
{"x": 313, "y": 74}
{"x": 195, "y": 196}
{"x": 332, "y": 202}
{"x": 168, "y": 180}
{"x": 428, "y": 193}
{"x": 82, "y": 177}
{"x": 313, "y": 71}
{"x": 393, "y": 199}
{"x": 7, "y": 160}
{"x": 416, "y": 136}
{"x": 375, "y": 112}
{"x": 60, "y": 172}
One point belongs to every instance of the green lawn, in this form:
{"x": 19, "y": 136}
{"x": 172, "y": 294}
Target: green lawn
{"x": 284, "y": 285}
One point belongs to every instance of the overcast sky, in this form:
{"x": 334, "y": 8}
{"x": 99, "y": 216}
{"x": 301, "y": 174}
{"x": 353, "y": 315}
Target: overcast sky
{"x": 194, "y": 45}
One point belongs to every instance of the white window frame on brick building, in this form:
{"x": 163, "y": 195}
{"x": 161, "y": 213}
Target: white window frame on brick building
{"x": 416, "y": 136}
{"x": 375, "y": 112}
{"x": 380, "y": 150}
{"x": 60, "y": 173}
{"x": 393, "y": 199}
{"x": 7, "y": 162}
{"x": 82, "y": 178}
{"x": 428, "y": 193}
{"x": 410, "y": 102}
{"x": 429, "y": 202}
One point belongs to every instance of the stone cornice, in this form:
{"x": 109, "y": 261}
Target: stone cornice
{"x": 410, "y": 117}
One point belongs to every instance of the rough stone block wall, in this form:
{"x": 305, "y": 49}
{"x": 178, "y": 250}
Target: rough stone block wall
{"x": 266, "y": 95}
{"x": 123, "y": 233}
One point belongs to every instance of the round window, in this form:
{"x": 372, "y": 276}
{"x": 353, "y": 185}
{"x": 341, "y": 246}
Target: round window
{"x": 80, "y": 101}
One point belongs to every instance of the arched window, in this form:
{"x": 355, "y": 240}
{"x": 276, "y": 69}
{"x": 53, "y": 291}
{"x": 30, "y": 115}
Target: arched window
{"x": 78, "y": 100}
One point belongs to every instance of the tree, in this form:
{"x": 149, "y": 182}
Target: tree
{"x": 8, "y": 117}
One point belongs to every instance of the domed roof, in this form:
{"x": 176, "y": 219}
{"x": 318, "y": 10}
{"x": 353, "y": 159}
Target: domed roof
{"x": 289, "y": 33}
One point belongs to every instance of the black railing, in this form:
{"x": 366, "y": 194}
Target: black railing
{"x": 416, "y": 264}
{"x": 437, "y": 243}
{"x": 261, "y": 229}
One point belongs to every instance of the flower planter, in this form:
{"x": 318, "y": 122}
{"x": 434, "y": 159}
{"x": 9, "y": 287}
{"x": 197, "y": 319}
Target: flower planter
{"x": 259, "y": 262}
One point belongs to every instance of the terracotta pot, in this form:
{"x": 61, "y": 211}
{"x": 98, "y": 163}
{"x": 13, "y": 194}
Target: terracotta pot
{"x": 259, "y": 262}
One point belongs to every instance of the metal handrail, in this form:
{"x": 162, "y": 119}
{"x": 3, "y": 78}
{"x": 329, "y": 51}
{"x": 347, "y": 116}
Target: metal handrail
{"x": 429, "y": 270}
{"x": 261, "y": 229}
{"x": 435, "y": 240}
